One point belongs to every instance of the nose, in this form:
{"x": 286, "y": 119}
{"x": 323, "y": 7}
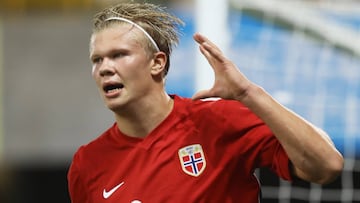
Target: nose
{"x": 107, "y": 67}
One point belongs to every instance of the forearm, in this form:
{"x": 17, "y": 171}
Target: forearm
{"x": 311, "y": 151}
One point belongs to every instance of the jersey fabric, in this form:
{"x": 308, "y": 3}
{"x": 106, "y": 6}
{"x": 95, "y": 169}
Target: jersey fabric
{"x": 204, "y": 151}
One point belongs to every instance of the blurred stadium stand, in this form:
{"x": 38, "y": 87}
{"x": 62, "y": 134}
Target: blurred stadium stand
{"x": 305, "y": 53}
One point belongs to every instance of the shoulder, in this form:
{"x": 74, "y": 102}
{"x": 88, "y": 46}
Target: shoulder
{"x": 94, "y": 146}
{"x": 216, "y": 106}
{"x": 218, "y": 111}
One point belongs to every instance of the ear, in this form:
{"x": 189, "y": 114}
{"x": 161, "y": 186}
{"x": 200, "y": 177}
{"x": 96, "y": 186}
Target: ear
{"x": 160, "y": 60}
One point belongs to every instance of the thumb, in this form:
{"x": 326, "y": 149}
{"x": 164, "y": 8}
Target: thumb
{"x": 202, "y": 94}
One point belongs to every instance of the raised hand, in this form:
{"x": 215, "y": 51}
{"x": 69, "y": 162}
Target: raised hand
{"x": 310, "y": 150}
{"x": 229, "y": 82}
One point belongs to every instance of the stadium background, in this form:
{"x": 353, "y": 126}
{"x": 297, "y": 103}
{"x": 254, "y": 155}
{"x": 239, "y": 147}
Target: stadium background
{"x": 305, "y": 53}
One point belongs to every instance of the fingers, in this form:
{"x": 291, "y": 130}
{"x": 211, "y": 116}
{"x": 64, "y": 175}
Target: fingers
{"x": 199, "y": 38}
{"x": 202, "y": 94}
{"x": 209, "y": 49}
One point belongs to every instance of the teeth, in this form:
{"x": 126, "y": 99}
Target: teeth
{"x": 113, "y": 90}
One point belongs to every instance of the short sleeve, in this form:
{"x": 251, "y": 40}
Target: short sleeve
{"x": 76, "y": 187}
{"x": 257, "y": 145}
{"x": 280, "y": 163}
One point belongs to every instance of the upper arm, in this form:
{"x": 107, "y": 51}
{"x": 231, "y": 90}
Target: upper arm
{"x": 76, "y": 187}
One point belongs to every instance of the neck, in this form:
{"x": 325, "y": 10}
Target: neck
{"x": 146, "y": 116}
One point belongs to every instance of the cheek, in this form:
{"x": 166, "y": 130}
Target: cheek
{"x": 97, "y": 79}
{"x": 93, "y": 69}
{"x": 136, "y": 69}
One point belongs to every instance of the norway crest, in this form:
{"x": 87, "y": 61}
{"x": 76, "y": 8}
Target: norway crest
{"x": 192, "y": 159}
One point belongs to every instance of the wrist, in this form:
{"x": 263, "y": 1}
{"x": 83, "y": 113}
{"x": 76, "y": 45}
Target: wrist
{"x": 249, "y": 94}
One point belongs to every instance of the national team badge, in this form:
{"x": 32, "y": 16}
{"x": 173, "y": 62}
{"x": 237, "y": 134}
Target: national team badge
{"x": 192, "y": 159}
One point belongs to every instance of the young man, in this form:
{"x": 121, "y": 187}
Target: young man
{"x": 164, "y": 148}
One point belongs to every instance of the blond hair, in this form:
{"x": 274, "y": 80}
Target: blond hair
{"x": 162, "y": 26}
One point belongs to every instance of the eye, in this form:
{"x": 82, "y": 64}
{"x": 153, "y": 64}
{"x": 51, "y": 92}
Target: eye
{"x": 96, "y": 60}
{"x": 117, "y": 55}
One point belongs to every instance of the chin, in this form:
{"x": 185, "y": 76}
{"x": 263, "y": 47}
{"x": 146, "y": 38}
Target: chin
{"x": 115, "y": 107}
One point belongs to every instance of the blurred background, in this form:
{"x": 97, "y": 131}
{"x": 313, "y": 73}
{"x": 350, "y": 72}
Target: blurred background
{"x": 306, "y": 53}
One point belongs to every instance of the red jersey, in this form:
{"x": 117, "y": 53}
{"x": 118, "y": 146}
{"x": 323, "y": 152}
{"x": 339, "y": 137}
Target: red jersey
{"x": 204, "y": 151}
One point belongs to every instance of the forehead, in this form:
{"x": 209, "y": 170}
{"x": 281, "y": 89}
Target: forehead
{"x": 122, "y": 35}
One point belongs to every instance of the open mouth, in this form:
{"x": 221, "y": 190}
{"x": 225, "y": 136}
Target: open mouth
{"x": 113, "y": 88}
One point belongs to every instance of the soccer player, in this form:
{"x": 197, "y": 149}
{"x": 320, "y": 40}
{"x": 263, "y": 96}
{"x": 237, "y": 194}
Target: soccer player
{"x": 165, "y": 148}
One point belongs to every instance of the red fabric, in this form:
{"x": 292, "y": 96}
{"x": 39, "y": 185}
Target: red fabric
{"x": 233, "y": 140}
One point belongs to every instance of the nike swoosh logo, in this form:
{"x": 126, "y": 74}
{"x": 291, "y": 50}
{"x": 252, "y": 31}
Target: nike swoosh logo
{"x": 108, "y": 194}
